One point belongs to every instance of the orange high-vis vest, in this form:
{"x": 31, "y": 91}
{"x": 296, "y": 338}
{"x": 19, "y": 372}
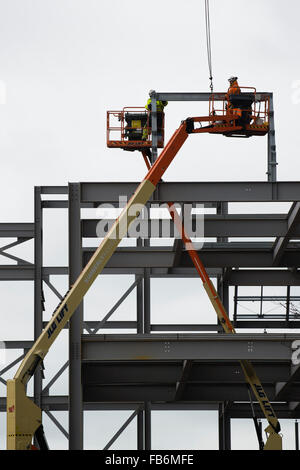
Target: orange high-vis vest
{"x": 234, "y": 89}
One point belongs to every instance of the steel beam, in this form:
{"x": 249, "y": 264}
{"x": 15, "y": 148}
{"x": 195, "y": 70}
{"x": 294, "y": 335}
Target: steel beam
{"x": 237, "y": 410}
{"x": 273, "y": 347}
{"x": 17, "y": 230}
{"x": 231, "y": 225}
{"x": 259, "y": 277}
{"x": 244, "y": 255}
{"x": 95, "y": 373}
{"x": 245, "y": 277}
{"x": 54, "y": 189}
{"x": 197, "y": 96}
{"x": 165, "y": 392}
{"x": 189, "y": 192}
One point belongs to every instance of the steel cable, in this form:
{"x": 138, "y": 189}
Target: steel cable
{"x": 208, "y": 43}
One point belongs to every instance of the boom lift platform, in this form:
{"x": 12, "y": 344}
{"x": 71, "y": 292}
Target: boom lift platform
{"x": 130, "y": 128}
{"x": 24, "y": 418}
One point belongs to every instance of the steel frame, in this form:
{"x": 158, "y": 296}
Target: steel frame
{"x": 167, "y": 262}
{"x": 186, "y": 372}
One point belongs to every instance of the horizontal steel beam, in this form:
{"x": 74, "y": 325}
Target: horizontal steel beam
{"x": 130, "y": 325}
{"x": 17, "y": 230}
{"x": 18, "y": 344}
{"x": 26, "y": 273}
{"x": 235, "y": 411}
{"x": 259, "y": 347}
{"x": 245, "y": 277}
{"x": 194, "y": 96}
{"x": 257, "y": 191}
{"x": 262, "y": 225}
{"x": 16, "y": 273}
{"x": 263, "y": 277}
{"x": 54, "y": 189}
{"x": 244, "y": 255}
{"x": 263, "y": 323}
{"x": 185, "y": 327}
{"x": 130, "y": 372}
{"x": 165, "y": 392}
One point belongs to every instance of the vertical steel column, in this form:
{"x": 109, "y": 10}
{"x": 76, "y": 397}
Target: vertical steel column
{"x": 272, "y": 163}
{"x": 75, "y": 324}
{"x": 147, "y": 425}
{"x": 223, "y": 292}
{"x": 224, "y": 428}
{"x": 147, "y": 297}
{"x": 235, "y": 305}
{"x": 154, "y": 127}
{"x": 140, "y": 430}
{"x": 261, "y": 301}
{"x": 222, "y": 286}
{"x": 296, "y": 435}
{"x": 139, "y": 299}
{"x": 38, "y": 285}
{"x": 288, "y": 299}
{"x": 147, "y": 286}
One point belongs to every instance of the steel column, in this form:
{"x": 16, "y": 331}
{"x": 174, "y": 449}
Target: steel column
{"x": 147, "y": 299}
{"x": 75, "y": 324}
{"x": 38, "y": 286}
{"x": 224, "y": 428}
{"x": 147, "y": 425}
{"x": 139, "y": 301}
{"x": 140, "y": 430}
{"x": 272, "y": 164}
{"x": 154, "y": 127}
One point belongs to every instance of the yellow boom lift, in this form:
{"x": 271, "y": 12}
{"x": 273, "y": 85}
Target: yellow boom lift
{"x": 24, "y": 417}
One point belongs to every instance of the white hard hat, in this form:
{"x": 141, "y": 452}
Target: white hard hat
{"x": 151, "y": 92}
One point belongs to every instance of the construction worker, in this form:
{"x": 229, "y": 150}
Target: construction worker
{"x": 233, "y": 89}
{"x": 160, "y": 105}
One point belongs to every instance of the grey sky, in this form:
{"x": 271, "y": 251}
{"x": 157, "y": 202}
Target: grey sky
{"x": 65, "y": 62}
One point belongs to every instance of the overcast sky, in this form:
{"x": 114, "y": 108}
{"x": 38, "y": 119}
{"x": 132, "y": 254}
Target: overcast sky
{"x": 63, "y": 63}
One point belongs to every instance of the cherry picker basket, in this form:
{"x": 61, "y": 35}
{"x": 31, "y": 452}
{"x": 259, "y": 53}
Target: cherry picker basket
{"x": 130, "y": 129}
{"x": 250, "y": 109}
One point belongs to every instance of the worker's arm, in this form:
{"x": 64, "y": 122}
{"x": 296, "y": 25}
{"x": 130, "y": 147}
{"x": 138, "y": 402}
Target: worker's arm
{"x": 23, "y": 416}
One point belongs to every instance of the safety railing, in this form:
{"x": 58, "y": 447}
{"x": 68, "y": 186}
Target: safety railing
{"x": 258, "y": 109}
{"x": 129, "y": 127}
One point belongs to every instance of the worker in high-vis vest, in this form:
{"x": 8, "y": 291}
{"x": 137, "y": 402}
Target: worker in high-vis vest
{"x": 160, "y": 105}
{"x": 233, "y": 89}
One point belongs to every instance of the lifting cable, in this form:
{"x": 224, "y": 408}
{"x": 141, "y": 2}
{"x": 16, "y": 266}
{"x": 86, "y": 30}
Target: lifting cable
{"x": 208, "y": 43}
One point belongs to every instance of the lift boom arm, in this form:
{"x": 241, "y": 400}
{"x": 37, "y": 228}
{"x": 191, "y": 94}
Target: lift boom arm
{"x": 24, "y": 417}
